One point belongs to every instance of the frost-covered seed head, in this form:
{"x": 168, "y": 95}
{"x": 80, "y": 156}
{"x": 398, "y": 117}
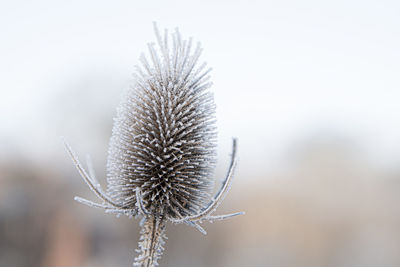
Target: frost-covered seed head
{"x": 163, "y": 148}
{"x": 164, "y": 136}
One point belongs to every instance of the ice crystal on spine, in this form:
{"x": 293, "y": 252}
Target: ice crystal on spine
{"x": 162, "y": 151}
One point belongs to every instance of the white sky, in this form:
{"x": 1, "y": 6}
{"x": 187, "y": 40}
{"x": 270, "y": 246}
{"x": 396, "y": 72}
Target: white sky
{"x": 282, "y": 70}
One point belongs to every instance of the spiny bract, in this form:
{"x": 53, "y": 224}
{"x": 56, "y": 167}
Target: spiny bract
{"x": 163, "y": 147}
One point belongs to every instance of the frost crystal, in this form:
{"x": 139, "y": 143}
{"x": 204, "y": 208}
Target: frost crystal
{"x": 162, "y": 152}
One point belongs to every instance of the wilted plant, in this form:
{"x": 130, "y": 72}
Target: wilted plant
{"x": 162, "y": 151}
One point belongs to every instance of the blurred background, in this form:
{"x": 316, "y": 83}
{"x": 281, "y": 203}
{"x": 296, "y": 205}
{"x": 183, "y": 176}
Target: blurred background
{"x": 310, "y": 88}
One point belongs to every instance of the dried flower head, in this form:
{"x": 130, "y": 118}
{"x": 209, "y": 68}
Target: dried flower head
{"x": 162, "y": 152}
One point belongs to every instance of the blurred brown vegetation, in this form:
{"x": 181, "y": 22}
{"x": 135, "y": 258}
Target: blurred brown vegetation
{"x": 329, "y": 208}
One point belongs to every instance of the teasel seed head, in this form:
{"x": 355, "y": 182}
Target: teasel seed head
{"x": 164, "y": 136}
{"x": 162, "y": 152}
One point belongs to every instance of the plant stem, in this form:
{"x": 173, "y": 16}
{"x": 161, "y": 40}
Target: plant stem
{"x": 151, "y": 242}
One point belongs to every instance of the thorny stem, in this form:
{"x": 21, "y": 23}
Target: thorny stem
{"x": 151, "y": 242}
